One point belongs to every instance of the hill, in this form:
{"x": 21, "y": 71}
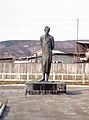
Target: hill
{"x": 22, "y": 48}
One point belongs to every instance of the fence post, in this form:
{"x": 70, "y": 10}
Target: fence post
{"x": 83, "y": 78}
{"x": 19, "y": 72}
{"x": 3, "y": 71}
{"x": 19, "y": 76}
{"x": 27, "y": 76}
{"x": 53, "y": 76}
{"x": 75, "y": 77}
{"x": 62, "y": 76}
{"x": 36, "y": 76}
{"x": 3, "y": 76}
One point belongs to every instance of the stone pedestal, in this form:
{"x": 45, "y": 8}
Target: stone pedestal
{"x": 33, "y": 87}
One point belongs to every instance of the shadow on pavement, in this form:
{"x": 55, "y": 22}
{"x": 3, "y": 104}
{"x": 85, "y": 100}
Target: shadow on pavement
{"x": 74, "y": 92}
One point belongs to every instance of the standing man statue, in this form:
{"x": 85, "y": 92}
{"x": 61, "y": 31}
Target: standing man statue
{"x": 47, "y": 45}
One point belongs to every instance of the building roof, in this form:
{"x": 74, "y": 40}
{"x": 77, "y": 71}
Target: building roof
{"x": 39, "y": 51}
{"x": 57, "y": 51}
{"x": 83, "y": 42}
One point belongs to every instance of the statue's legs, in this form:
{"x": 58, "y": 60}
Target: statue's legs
{"x": 43, "y": 70}
{"x": 43, "y": 77}
{"x": 46, "y": 77}
{"x": 48, "y": 67}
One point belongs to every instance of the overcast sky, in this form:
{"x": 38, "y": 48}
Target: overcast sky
{"x": 26, "y": 19}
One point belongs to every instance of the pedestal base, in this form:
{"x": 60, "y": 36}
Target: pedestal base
{"x": 32, "y": 87}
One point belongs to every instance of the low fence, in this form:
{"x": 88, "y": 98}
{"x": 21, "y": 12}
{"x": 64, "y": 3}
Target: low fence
{"x": 83, "y": 78}
{"x": 77, "y": 72}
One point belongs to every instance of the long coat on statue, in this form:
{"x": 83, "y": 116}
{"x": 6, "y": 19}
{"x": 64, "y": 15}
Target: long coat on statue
{"x": 47, "y": 45}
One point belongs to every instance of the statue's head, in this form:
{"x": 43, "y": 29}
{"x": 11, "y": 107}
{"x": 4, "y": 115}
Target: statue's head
{"x": 47, "y": 29}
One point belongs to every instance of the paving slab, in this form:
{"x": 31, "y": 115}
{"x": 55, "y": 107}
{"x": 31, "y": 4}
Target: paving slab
{"x": 74, "y": 105}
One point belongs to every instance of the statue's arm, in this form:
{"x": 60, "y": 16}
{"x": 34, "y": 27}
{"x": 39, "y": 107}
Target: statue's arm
{"x": 53, "y": 43}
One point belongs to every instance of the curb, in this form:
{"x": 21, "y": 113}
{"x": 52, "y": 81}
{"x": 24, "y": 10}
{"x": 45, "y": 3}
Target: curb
{"x": 78, "y": 86}
{"x": 13, "y": 85}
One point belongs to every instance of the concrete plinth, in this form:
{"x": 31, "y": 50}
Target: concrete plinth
{"x": 32, "y": 87}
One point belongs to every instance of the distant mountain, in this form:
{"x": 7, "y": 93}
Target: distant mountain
{"x": 22, "y": 48}
{"x": 18, "y": 48}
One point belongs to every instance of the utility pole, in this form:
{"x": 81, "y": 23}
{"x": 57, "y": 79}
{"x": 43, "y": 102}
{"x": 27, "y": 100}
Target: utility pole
{"x": 77, "y": 28}
{"x": 77, "y": 39}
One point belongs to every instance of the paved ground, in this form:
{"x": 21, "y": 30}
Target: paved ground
{"x": 71, "y": 106}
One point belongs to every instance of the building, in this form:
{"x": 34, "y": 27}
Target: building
{"x": 58, "y": 57}
{"x": 82, "y": 51}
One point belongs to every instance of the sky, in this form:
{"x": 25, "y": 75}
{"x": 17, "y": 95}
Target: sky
{"x": 26, "y": 19}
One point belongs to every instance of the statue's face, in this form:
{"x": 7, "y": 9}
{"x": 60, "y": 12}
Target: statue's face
{"x": 47, "y": 29}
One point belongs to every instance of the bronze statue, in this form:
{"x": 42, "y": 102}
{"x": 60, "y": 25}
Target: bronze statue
{"x": 47, "y": 45}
